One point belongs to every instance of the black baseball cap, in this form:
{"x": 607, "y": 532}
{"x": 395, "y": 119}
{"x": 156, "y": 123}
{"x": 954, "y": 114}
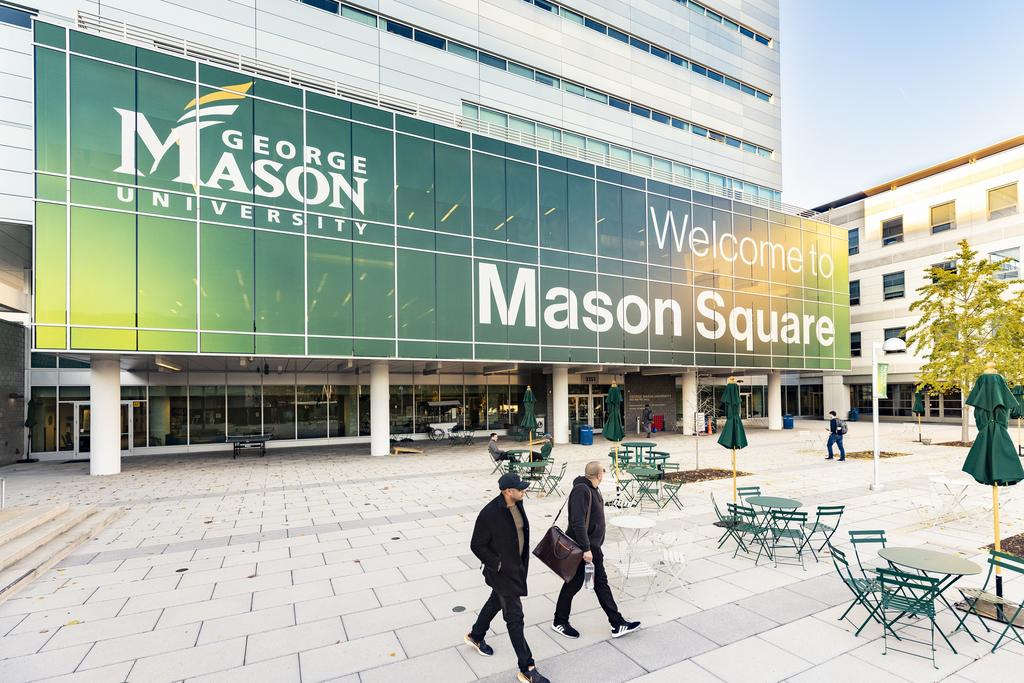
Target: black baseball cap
{"x": 512, "y": 481}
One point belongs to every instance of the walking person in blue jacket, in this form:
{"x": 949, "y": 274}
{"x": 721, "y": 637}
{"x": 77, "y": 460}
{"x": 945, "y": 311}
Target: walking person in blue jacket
{"x": 836, "y": 430}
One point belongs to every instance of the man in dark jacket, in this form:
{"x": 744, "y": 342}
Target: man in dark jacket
{"x": 836, "y": 429}
{"x": 501, "y": 539}
{"x": 586, "y": 527}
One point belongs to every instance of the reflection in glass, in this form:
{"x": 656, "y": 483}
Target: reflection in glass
{"x": 311, "y": 405}
{"x": 206, "y": 414}
{"x": 42, "y": 419}
{"x": 244, "y": 410}
{"x": 279, "y": 411}
{"x": 168, "y": 410}
{"x": 401, "y": 409}
{"x": 344, "y": 410}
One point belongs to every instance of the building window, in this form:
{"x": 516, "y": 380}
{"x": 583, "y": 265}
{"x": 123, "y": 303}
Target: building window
{"x": 893, "y": 286}
{"x": 854, "y": 292}
{"x": 948, "y": 266}
{"x": 854, "y": 241}
{"x": 896, "y": 333}
{"x": 855, "y": 344}
{"x": 15, "y": 16}
{"x": 892, "y": 231}
{"x": 1002, "y": 201}
{"x": 1010, "y": 269}
{"x": 943, "y": 217}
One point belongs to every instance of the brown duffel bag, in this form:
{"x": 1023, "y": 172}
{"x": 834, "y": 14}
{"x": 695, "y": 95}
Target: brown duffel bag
{"x": 561, "y": 554}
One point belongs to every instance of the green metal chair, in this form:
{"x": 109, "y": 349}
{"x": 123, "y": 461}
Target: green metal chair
{"x": 831, "y": 513}
{"x": 744, "y": 492}
{"x": 972, "y": 596}
{"x": 749, "y": 528}
{"x": 866, "y": 592}
{"x": 551, "y": 481}
{"x": 785, "y": 531}
{"x": 864, "y": 538}
{"x": 909, "y": 595}
{"x": 670, "y": 493}
{"x": 726, "y": 522}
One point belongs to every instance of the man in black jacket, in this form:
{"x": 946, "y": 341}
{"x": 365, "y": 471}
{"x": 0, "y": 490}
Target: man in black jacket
{"x": 586, "y": 527}
{"x": 501, "y": 539}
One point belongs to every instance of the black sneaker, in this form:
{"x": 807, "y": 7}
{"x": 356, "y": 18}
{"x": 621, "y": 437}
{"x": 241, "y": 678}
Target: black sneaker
{"x": 624, "y": 628}
{"x": 532, "y": 676}
{"x": 565, "y": 630}
{"x": 482, "y": 648}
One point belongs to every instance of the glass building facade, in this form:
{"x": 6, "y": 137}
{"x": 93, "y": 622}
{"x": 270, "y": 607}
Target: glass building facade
{"x": 185, "y": 208}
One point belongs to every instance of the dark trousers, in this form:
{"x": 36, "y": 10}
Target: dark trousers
{"x": 604, "y": 592}
{"x": 836, "y": 439}
{"x": 511, "y": 608}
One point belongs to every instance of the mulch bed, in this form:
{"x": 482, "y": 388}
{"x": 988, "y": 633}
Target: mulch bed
{"x": 869, "y": 455}
{"x": 964, "y": 444}
{"x": 705, "y": 474}
{"x": 1013, "y": 545}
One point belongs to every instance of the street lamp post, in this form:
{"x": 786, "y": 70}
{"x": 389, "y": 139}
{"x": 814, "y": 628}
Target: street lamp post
{"x": 894, "y": 345}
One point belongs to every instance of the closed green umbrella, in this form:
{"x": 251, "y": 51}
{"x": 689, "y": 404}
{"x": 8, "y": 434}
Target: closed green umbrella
{"x": 529, "y": 419}
{"x": 732, "y": 435}
{"x": 918, "y": 410}
{"x": 613, "y": 430}
{"x": 992, "y": 459}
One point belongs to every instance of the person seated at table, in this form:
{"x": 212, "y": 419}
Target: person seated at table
{"x": 547, "y": 443}
{"x": 496, "y": 452}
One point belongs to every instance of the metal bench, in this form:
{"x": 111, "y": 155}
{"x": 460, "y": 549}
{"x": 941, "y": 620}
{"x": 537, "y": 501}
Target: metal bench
{"x": 249, "y": 441}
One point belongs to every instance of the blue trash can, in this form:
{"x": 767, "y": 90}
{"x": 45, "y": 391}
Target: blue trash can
{"x": 854, "y": 415}
{"x": 586, "y": 435}
{"x": 787, "y": 421}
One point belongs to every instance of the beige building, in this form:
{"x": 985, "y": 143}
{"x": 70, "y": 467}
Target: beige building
{"x": 897, "y": 231}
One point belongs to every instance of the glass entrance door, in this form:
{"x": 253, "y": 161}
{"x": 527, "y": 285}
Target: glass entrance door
{"x": 83, "y": 427}
{"x": 597, "y": 410}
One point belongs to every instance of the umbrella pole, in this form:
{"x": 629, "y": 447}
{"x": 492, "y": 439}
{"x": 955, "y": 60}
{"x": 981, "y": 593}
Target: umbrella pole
{"x": 734, "y": 475}
{"x": 919, "y": 429}
{"x": 995, "y": 519}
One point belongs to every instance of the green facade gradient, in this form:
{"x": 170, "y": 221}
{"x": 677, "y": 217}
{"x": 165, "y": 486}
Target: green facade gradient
{"x": 187, "y": 208}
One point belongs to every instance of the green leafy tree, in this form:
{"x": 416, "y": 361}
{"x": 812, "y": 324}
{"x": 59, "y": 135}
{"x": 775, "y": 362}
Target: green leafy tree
{"x": 967, "y": 317}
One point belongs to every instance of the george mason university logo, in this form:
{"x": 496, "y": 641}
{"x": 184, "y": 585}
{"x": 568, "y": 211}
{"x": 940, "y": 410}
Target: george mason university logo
{"x": 276, "y": 166}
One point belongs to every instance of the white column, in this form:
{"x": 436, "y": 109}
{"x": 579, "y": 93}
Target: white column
{"x": 380, "y": 405}
{"x": 774, "y": 400}
{"x": 105, "y": 415}
{"x": 689, "y": 401}
{"x": 560, "y": 409}
{"x": 835, "y": 395}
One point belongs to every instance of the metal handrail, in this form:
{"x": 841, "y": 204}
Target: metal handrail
{"x": 182, "y": 47}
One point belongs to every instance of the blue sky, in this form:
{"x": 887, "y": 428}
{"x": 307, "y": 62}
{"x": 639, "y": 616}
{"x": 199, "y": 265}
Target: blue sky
{"x": 872, "y": 90}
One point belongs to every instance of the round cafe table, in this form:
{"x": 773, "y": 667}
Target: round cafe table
{"x": 639, "y": 447}
{"x": 773, "y": 502}
{"x": 633, "y": 528}
{"x": 947, "y": 565}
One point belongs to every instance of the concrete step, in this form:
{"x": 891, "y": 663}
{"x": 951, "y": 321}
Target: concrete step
{"x": 25, "y": 544}
{"x": 86, "y": 523}
{"x": 17, "y": 521}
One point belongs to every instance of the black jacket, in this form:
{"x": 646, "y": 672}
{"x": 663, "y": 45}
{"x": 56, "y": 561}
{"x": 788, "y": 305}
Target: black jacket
{"x": 584, "y": 494}
{"x": 496, "y": 543}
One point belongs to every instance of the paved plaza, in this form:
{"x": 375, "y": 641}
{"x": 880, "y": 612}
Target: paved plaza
{"x": 315, "y": 565}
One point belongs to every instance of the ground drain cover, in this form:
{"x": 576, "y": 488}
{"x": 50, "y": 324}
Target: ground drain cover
{"x": 458, "y": 608}
{"x": 183, "y": 569}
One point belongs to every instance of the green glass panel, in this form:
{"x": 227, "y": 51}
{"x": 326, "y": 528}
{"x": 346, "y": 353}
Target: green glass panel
{"x": 373, "y": 291}
{"x": 521, "y": 202}
{"x": 634, "y": 225}
{"x": 319, "y": 346}
{"x": 51, "y": 263}
{"x": 110, "y": 50}
{"x": 226, "y": 278}
{"x": 609, "y": 220}
{"x": 51, "y": 187}
{"x": 211, "y": 342}
{"x": 280, "y": 346}
{"x": 373, "y": 347}
{"x": 554, "y": 213}
{"x": 104, "y": 101}
{"x": 451, "y": 170}
{"x": 414, "y": 126}
{"x": 278, "y": 156}
{"x": 377, "y": 117}
{"x": 416, "y": 239}
{"x": 49, "y": 34}
{"x": 408, "y": 349}
{"x": 105, "y": 340}
{"x": 582, "y": 336}
{"x": 489, "y": 216}
{"x": 51, "y": 337}
{"x": 227, "y": 171}
{"x": 163, "y": 102}
{"x": 279, "y": 288}
{"x": 415, "y": 181}
{"x": 278, "y": 92}
{"x": 102, "y": 268}
{"x": 417, "y": 292}
{"x": 167, "y": 273}
{"x": 561, "y": 312}
{"x": 51, "y": 114}
{"x": 454, "y": 298}
{"x": 165, "y": 64}
{"x": 330, "y": 288}
{"x": 150, "y": 340}
{"x": 373, "y": 152}
{"x": 328, "y": 105}
{"x": 333, "y": 137}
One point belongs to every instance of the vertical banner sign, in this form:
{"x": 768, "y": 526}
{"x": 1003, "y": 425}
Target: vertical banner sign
{"x": 881, "y": 380}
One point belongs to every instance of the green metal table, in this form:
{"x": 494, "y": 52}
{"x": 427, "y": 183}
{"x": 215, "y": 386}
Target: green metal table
{"x": 947, "y": 565}
{"x": 774, "y": 502}
{"x": 638, "y": 447}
